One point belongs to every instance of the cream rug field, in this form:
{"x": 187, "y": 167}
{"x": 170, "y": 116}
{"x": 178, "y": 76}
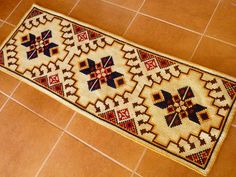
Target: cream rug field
{"x": 178, "y": 109}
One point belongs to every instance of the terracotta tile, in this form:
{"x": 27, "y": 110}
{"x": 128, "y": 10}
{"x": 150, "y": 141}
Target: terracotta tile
{"x": 3, "y": 98}
{"x": 223, "y": 23}
{"x": 7, "y": 83}
{"x": 27, "y": 141}
{"x": 132, "y": 4}
{"x": 62, "y": 6}
{"x": 43, "y": 105}
{"x": 104, "y": 15}
{"x": 216, "y": 55}
{"x": 5, "y": 30}
{"x": 187, "y": 13}
{"x": 71, "y": 158}
{"x": 6, "y": 7}
{"x": 116, "y": 146}
{"x": 162, "y": 37}
{"x": 153, "y": 163}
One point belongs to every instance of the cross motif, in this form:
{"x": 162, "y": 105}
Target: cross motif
{"x": 101, "y": 73}
{"x": 180, "y": 106}
{"x": 39, "y": 44}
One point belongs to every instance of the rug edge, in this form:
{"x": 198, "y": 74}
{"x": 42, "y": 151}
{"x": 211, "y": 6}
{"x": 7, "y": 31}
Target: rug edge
{"x": 93, "y": 118}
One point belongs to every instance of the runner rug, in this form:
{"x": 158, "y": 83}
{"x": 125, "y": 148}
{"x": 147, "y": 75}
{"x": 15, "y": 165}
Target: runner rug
{"x": 176, "y": 108}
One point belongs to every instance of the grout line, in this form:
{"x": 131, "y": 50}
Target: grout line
{"x": 8, "y": 97}
{"x": 123, "y": 7}
{"x": 11, "y": 13}
{"x": 4, "y": 104}
{"x": 49, "y": 154}
{"x": 131, "y": 22}
{"x": 220, "y": 40}
{"x": 71, "y": 119}
{"x": 77, "y": 2}
{"x": 195, "y": 49}
{"x": 139, "y": 161}
{"x": 98, "y": 151}
{"x": 54, "y": 147}
{"x": 169, "y": 23}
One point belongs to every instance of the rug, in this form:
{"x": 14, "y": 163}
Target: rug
{"x": 176, "y": 108}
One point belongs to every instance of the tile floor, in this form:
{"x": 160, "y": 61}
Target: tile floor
{"x": 42, "y": 142}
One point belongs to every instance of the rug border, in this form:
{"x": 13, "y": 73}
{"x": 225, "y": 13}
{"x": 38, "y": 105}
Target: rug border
{"x": 227, "y": 123}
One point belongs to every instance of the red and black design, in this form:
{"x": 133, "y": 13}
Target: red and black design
{"x": 111, "y": 116}
{"x": 85, "y": 34}
{"x": 153, "y": 61}
{"x": 200, "y": 158}
{"x": 51, "y": 82}
{"x": 231, "y": 88}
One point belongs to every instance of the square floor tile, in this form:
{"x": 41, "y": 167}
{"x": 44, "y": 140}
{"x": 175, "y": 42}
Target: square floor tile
{"x": 162, "y": 37}
{"x": 116, "y": 146}
{"x": 223, "y": 23}
{"x": 216, "y": 55}
{"x": 103, "y": 15}
{"x": 187, "y": 13}
{"x": 25, "y": 139}
{"x": 43, "y": 105}
{"x": 71, "y": 158}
